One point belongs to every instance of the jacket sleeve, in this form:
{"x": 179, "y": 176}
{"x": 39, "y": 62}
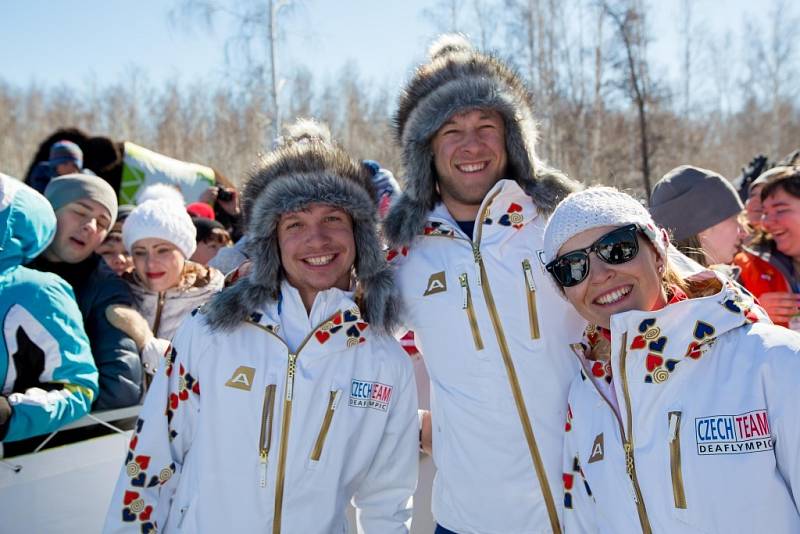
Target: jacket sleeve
{"x": 383, "y": 500}
{"x": 115, "y": 353}
{"x": 784, "y": 408}
{"x": 55, "y": 376}
{"x": 579, "y": 505}
{"x": 163, "y": 437}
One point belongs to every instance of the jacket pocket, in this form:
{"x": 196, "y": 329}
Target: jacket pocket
{"x": 265, "y": 436}
{"x": 678, "y": 493}
{"x": 319, "y": 444}
{"x": 466, "y": 305}
{"x": 533, "y": 314}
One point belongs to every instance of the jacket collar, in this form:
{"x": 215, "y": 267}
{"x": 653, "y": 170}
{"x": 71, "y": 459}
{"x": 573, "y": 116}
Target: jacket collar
{"x": 684, "y": 330}
{"x": 505, "y": 210}
{"x": 334, "y": 323}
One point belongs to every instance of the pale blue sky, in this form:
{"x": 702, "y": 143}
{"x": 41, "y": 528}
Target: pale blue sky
{"x": 55, "y": 42}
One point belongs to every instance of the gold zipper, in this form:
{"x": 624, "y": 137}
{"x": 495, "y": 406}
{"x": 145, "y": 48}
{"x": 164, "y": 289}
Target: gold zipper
{"x": 630, "y": 463}
{"x": 159, "y": 307}
{"x": 678, "y": 494}
{"x": 533, "y": 314}
{"x": 265, "y": 437}
{"x": 333, "y": 401}
{"x": 291, "y": 371}
{"x": 466, "y": 304}
{"x": 519, "y": 400}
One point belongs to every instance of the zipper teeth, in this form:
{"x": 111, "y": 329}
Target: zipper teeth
{"x": 265, "y": 439}
{"x": 519, "y": 400}
{"x": 284, "y": 445}
{"x": 678, "y": 493}
{"x": 326, "y": 424}
{"x": 467, "y": 305}
{"x": 157, "y": 320}
{"x": 630, "y": 463}
{"x": 533, "y": 314}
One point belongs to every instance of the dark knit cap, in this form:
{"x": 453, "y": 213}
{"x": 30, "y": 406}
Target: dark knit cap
{"x": 73, "y": 187}
{"x": 205, "y": 227}
{"x": 64, "y": 152}
{"x": 688, "y": 200}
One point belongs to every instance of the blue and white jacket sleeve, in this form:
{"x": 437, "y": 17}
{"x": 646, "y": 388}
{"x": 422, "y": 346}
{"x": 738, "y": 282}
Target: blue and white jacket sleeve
{"x": 163, "y": 436}
{"x": 51, "y": 378}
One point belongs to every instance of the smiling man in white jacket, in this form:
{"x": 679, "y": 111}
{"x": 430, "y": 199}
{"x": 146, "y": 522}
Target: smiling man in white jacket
{"x": 284, "y": 397}
{"x": 466, "y": 236}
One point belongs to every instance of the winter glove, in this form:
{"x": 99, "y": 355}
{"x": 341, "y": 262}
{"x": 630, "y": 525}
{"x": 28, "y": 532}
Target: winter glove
{"x": 131, "y": 322}
{"x": 153, "y": 354}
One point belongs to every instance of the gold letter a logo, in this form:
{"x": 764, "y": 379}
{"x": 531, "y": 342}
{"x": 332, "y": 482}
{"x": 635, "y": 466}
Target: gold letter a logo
{"x": 436, "y": 284}
{"x": 242, "y": 378}
{"x": 597, "y": 449}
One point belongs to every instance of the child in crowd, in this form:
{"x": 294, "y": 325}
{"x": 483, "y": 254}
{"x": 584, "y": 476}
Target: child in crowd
{"x": 211, "y": 237}
{"x": 112, "y": 250}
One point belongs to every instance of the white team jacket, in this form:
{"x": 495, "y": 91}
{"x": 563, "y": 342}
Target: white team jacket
{"x": 241, "y": 434}
{"x": 710, "y": 412}
{"x": 493, "y": 334}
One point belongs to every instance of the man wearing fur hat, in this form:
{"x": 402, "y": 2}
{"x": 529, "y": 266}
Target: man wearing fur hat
{"x": 466, "y": 237}
{"x": 285, "y": 396}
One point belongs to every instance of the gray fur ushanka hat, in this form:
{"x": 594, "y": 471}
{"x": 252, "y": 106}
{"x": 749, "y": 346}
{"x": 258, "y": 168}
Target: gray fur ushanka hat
{"x": 288, "y": 179}
{"x": 458, "y": 78}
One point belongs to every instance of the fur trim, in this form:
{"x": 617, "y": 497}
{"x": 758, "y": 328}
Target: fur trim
{"x": 290, "y": 179}
{"x": 303, "y": 130}
{"x": 458, "y": 79}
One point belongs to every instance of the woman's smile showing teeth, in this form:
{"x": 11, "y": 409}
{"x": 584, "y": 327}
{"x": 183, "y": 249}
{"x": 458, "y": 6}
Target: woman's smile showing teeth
{"x": 614, "y": 296}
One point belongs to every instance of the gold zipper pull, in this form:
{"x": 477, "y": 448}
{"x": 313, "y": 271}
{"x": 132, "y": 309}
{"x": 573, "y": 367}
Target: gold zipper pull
{"x": 462, "y": 279}
{"x": 262, "y": 455}
{"x": 533, "y": 314}
{"x": 476, "y": 253}
{"x": 674, "y": 418}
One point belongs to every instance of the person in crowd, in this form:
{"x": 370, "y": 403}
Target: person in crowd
{"x": 165, "y": 284}
{"x": 225, "y": 205}
{"x": 65, "y": 157}
{"x": 655, "y": 441}
{"x": 466, "y": 237}
{"x": 201, "y": 209}
{"x": 112, "y": 250}
{"x": 86, "y": 208}
{"x": 50, "y": 377}
{"x": 324, "y": 398}
{"x": 769, "y": 266}
{"x": 702, "y": 211}
{"x": 211, "y": 237}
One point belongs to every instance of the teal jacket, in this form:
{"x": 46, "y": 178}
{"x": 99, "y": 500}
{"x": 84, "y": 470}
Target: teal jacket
{"x": 47, "y": 373}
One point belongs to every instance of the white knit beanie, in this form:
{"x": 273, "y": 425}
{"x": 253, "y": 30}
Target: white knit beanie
{"x": 595, "y": 207}
{"x": 162, "y": 219}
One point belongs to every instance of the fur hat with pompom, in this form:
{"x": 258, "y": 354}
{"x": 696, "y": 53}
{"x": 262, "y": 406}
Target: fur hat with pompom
{"x": 458, "y": 78}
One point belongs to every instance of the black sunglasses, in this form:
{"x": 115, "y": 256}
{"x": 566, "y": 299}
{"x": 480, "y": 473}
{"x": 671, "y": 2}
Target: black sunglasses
{"x": 615, "y": 247}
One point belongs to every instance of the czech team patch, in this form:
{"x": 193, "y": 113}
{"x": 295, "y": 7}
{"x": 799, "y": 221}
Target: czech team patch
{"x": 370, "y": 395}
{"x": 733, "y": 434}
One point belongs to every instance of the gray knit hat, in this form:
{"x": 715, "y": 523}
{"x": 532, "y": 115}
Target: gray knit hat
{"x": 287, "y": 180}
{"x": 73, "y": 187}
{"x": 688, "y": 200}
{"x": 458, "y": 78}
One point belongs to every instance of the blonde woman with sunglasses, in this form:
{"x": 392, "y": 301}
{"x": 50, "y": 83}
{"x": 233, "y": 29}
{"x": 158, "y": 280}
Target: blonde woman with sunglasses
{"x": 684, "y": 416}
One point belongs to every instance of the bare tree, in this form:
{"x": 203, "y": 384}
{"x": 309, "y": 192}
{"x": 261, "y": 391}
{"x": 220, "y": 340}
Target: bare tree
{"x": 444, "y": 15}
{"x": 256, "y": 39}
{"x": 628, "y": 22}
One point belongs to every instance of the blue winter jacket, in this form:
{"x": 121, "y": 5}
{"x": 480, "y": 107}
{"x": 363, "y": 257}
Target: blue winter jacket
{"x": 47, "y": 373}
